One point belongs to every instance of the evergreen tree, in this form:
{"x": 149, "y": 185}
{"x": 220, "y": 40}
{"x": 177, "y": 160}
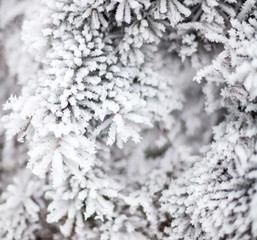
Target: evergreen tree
{"x": 136, "y": 119}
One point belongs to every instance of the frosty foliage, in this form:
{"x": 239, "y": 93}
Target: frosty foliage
{"x": 136, "y": 119}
